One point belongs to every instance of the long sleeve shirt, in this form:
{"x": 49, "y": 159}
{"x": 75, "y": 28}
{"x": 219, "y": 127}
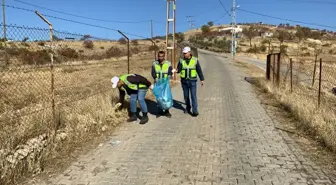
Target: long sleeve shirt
{"x": 170, "y": 73}
{"x": 198, "y": 68}
{"x": 137, "y": 79}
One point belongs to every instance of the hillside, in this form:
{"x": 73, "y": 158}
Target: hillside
{"x": 257, "y": 40}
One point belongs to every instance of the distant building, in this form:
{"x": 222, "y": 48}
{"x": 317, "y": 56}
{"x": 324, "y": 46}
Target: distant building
{"x": 266, "y": 34}
{"x": 238, "y": 29}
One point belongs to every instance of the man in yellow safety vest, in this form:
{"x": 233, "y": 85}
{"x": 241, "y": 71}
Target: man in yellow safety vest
{"x": 136, "y": 87}
{"x": 162, "y": 68}
{"x": 189, "y": 68}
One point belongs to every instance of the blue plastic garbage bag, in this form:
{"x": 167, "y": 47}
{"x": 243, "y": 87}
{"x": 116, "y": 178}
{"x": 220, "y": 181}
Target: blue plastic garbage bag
{"x": 162, "y": 93}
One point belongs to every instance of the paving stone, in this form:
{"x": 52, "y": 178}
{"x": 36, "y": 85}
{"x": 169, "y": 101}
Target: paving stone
{"x": 232, "y": 141}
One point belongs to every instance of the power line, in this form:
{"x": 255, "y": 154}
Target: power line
{"x": 191, "y": 22}
{"x": 77, "y": 22}
{"x": 284, "y": 19}
{"x": 224, "y": 8}
{"x": 219, "y": 18}
{"x": 84, "y": 17}
{"x": 19, "y": 8}
{"x": 97, "y": 26}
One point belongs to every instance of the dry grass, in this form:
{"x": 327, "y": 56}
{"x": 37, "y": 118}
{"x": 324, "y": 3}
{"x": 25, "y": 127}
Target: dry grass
{"x": 21, "y": 54}
{"x": 84, "y": 109}
{"x": 82, "y": 95}
{"x": 319, "y": 123}
{"x": 286, "y": 122}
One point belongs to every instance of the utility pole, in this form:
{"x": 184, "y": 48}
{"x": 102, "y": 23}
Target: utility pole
{"x": 233, "y": 43}
{"x": 191, "y": 22}
{"x": 172, "y": 48}
{"x": 4, "y": 19}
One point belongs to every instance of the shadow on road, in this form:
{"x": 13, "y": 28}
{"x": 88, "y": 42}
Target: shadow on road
{"x": 178, "y": 105}
{"x": 154, "y": 109}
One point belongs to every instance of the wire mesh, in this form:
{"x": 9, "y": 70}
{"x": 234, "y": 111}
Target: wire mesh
{"x": 312, "y": 82}
{"x": 43, "y": 79}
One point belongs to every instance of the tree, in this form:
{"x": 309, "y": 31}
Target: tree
{"x": 205, "y": 29}
{"x": 210, "y": 23}
{"x": 282, "y": 36}
{"x": 315, "y": 35}
{"x": 300, "y": 34}
{"x": 306, "y": 32}
{"x": 85, "y": 37}
{"x": 250, "y": 33}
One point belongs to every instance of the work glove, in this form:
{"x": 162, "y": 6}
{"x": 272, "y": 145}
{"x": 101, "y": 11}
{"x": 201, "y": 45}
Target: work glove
{"x": 151, "y": 87}
{"x": 117, "y": 106}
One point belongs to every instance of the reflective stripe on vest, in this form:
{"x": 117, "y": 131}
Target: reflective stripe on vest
{"x": 130, "y": 85}
{"x": 189, "y": 71}
{"x": 161, "y": 72}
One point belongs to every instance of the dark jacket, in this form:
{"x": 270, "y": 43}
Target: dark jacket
{"x": 170, "y": 73}
{"x": 137, "y": 79}
{"x": 198, "y": 69}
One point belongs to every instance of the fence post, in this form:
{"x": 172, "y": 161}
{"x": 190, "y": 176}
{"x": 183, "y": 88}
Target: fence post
{"x": 278, "y": 69}
{"x": 52, "y": 73}
{"x": 268, "y": 67}
{"x": 291, "y": 74}
{"x": 128, "y": 52}
{"x": 273, "y": 67}
{"x": 314, "y": 70}
{"x": 4, "y": 20}
{"x": 5, "y": 34}
{"x": 320, "y": 83}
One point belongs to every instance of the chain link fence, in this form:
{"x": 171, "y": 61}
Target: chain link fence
{"x": 312, "y": 80}
{"x": 307, "y": 88}
{"x": 57, "y": 84}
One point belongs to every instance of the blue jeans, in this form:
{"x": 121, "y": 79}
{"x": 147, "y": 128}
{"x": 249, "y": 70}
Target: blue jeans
{"x": 141, "y": 98}
{"x": 189, "y": 86}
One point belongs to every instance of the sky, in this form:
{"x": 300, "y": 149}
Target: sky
{"x": 138, "y": 13}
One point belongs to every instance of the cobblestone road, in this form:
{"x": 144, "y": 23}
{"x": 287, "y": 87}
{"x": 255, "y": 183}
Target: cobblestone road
{"x": 233, "y": 141}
